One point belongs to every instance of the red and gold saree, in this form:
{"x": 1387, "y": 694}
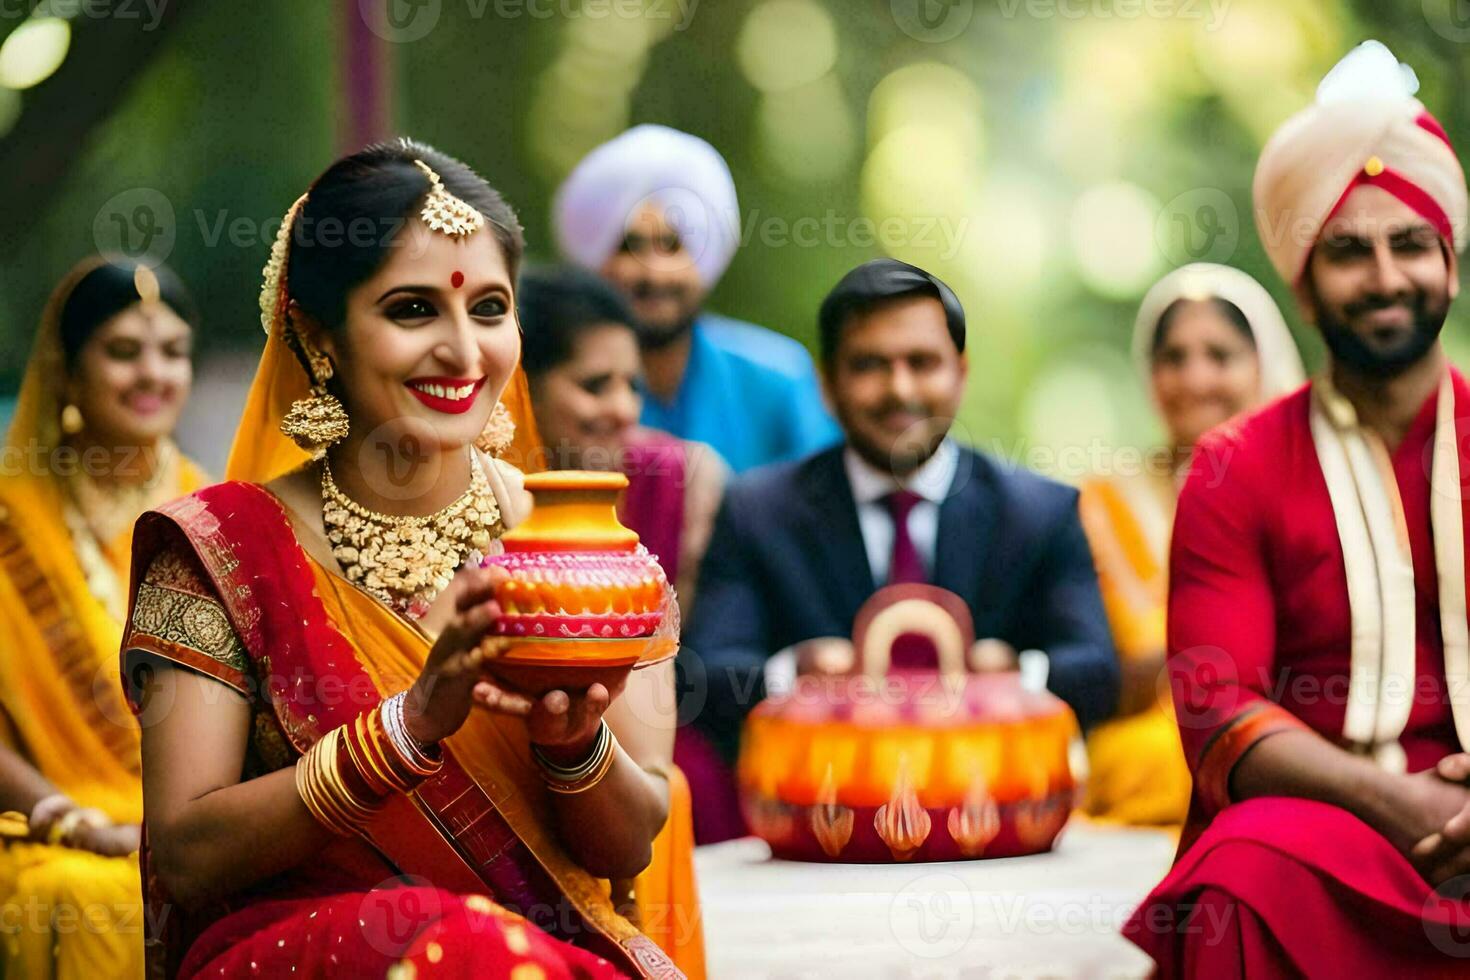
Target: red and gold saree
{"x": 467, "y": 862}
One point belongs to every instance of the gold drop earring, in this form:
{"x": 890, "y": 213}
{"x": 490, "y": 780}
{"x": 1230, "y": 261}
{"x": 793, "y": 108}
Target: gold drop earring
{"x": 71, "y": 420}
{"x": 499, "y": 431}
{"x": 318, "y": 420}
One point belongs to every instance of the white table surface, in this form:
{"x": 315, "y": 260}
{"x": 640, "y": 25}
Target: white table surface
{"x": 1050, "y": 915}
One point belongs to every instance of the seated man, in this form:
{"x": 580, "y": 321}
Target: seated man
{"x": 798, "y": 547}
{"x": 654, "y": 213}
{"x": 1318, "y": 643}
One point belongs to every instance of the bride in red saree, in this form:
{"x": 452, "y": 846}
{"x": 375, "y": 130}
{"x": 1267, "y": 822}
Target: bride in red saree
{"x": 333, "y": 787}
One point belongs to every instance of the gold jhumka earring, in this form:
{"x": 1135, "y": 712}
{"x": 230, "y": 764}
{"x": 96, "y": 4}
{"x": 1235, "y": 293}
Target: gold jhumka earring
{"x": 318, "y": 420}
{"x": 499, "y": 431}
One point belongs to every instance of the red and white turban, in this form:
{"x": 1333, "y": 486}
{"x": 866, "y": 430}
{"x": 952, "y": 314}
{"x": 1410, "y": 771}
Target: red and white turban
{"x": 1365, "y": 127}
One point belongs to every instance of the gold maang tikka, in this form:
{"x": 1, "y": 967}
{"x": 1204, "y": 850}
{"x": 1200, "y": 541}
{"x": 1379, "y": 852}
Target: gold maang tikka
{"x": 445, "y": 213}
{"x": 145, "y": 282}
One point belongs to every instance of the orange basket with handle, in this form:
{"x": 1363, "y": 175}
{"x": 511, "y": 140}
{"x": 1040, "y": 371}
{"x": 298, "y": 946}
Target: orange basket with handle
{"x": 884, "y": 765}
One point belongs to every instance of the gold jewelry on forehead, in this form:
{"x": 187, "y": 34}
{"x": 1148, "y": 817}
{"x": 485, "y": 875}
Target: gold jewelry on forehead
{"x": 445, "y": 213}
{"x": 146, "y": 283}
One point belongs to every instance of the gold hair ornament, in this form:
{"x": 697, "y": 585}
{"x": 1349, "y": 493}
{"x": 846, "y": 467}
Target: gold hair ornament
{"x": 445, "y": 213}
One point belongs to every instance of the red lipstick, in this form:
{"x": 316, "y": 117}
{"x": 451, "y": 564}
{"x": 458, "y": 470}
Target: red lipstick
{"x": 452, "y": 396}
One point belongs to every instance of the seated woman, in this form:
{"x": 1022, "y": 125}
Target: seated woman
{"x": 89, "y": 450}
{"x": 334, "y": 784}
{"x": 1211, "y": 344}
{"x": 581, "y": 359}
{"x": 580, "y": 356}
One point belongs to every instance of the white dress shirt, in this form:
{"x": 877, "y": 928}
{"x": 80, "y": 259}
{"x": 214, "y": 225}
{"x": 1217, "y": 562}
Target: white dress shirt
{"x": 931, "y": 482}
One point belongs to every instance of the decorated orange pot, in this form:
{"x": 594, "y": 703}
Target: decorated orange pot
{"x": 584, "y": 599}
{"x": 908, "y": 765}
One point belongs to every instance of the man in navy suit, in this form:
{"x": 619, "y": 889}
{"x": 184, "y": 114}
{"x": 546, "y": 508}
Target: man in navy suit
{"x": 798, "y": 547}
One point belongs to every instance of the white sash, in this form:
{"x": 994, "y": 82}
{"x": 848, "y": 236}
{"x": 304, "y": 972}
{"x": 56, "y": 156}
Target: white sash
{"x": 1380, "y": 570}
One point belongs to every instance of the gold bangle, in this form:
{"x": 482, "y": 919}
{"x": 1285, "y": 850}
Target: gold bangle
{"x": 357, "y": 810}
{"x": 588, "y": 782}
{"x": 63, "y": 827}
{"x": 368, "y": 741}
{"x": 321, "y": 787}
{"x": 308, "y": 794}
{"x": 573, "y": 781}
{"x": 308, "y": 783}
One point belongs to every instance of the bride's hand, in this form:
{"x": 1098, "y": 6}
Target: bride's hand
{"x": 560, "y": 722}
{"x": 440, "y": 699}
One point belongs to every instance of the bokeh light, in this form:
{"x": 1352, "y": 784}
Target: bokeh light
{"x": 1261, "y": 61}
{"x": 926, "y": 93}
{"x": 785, "y": 44}
{"x": 1113, "y": 239}
{"x": 1005, "y": 241}
{"x": 583, "y": 97}
{"x": 917, "y": 170}
{"x": 1068, "y": 417}
{"x": 806, "y": 134}
{"x": 33, "y": 52}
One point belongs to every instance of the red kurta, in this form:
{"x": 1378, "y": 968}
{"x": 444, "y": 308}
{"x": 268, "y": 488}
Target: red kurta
{"x": 1260, "y": 640}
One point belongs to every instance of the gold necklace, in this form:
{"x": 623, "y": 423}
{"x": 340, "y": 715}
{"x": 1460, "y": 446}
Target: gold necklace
{"x": 111, "y": 508}
{"x": 97, "y": 515}
{"x": 406, "y": 561}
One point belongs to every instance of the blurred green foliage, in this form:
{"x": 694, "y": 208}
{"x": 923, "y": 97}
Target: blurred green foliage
{"x": 1055, "y": 98}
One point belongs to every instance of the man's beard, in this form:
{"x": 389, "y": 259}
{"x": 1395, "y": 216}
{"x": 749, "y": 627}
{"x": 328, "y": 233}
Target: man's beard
{"x": 1352, "y": 351}
{"x": 909, "y": 454}
{"x": 656, "y": 336}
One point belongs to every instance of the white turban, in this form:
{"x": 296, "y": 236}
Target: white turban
{"x": 680, "y": 173}
{"x": 1365, "y": 127}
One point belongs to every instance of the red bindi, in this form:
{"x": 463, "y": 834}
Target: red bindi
{"x": 457, "y": 279}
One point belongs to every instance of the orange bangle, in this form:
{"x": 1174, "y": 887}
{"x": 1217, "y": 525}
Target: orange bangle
{"x": 356, "y": 740}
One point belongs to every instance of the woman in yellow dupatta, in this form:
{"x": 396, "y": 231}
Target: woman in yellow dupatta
{"x": 89, "y": 450}
{"x": 1210, "y": 343}
{"x": 480, "y": 818}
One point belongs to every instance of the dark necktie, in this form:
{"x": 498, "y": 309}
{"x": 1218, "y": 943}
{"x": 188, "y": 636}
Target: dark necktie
{"x": 909, "y": 651}
{"x": 906, "y": 565}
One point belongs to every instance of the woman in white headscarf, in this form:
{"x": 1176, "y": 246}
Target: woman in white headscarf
{"x": 1210, "y": 344}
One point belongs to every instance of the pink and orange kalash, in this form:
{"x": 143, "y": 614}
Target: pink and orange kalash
{"x": 585, "y": 603}
{"x": 909, "y": 764}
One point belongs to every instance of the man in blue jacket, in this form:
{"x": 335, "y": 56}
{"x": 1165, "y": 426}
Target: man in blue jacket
{"x": 798, "y": 547}
{"x": 654, "y": 212}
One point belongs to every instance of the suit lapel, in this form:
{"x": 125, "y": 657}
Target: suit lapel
{"x": 835, "y": 535}
{"x": 966, "y": 530}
